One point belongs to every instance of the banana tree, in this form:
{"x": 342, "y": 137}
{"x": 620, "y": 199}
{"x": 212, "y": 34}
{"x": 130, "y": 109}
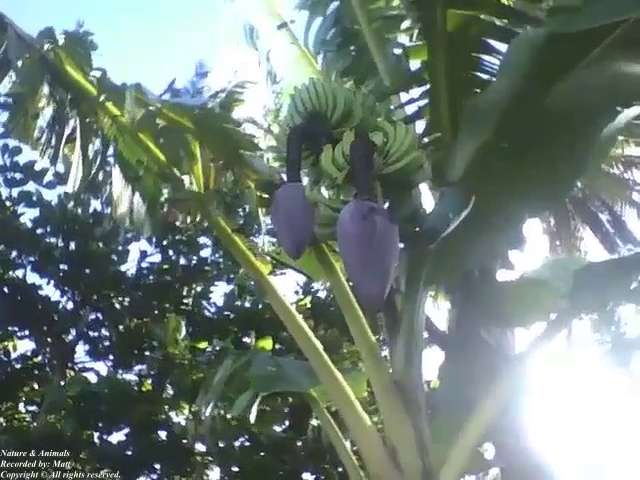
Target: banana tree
{"x": 533, "y": 132}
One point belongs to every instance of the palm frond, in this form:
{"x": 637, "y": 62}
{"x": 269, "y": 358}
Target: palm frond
{"x": 52, "y": 86}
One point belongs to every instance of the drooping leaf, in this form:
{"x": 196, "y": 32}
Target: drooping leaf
{"x": 483, "y": 113}
{"x": 196, "y": 163}
{"x": 270, "y": 374}
{"x": 251, "y": 36}
{"x": 599, "y": 284}
{"x": 231, "y": 97}
{"x": 259, "y": 373}
{"x": 133, "y": 109}
{"x": 215, "y": 382}
{"x": 243, "y": 401}
{"x": 76, "y": 172}
{"x": 25, "y": 94}
{"x": 610, "y": 135}
{"x": 591, "y": 14}
{"x": 525, "y": 86}
{"x": 518, "y": 303}
{"x": 558, "y": 272}
{"x": 306, "y": 264}
{"x": 16, "y": 47}
{"x": 219, "y": 136}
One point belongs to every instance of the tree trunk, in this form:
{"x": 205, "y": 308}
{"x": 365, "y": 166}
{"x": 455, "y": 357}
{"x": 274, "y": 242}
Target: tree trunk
{"x": 477, "y": 355}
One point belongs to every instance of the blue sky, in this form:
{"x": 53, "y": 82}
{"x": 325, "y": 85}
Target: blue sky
{"x": 143, "y": 40}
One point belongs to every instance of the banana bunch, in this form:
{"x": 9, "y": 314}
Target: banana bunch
{"x": 334, "y": 161}
{"x": 398, "y": 153}
{"x": 333, "y": 101}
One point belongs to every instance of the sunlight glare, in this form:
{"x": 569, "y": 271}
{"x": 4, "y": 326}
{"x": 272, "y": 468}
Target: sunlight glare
{"x": 582, "y": 414}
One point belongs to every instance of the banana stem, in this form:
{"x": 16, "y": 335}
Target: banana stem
{"x": 375, "y": 455}
{"x": 295, "y": 140}
{"x": 361, "y": 154}
{"x": 337, "y": 439}
{"x": 398, "y": 426}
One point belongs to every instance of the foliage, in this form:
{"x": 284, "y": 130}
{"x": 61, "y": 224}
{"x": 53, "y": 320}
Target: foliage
{"x": 95, "y": 340}
{"x": 498, "y": 137}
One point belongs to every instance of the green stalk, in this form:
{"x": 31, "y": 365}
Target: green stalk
{"x": 77, "y": 78}
{"x": 373, "y": 41}
{"x": 367, "y": 438}
{"x": 397, "y": 424}
{"x": 407, "y": 346}
{"x": 433, "y": 18}
{"x": 337, "y": 439}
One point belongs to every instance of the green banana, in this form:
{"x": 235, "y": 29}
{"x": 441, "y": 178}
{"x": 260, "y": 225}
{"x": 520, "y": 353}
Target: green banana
{"x": 340, "y": 109}
{"x": 343, "y": 107}
{"x": 398, "y": 152}
{"x": 413, "y": 157}
{"x": 403, "y": 145}
{"x": 329, "y": 95}
{"x": 307, "y": 99}
{"x": 319, "y": 102}
{"x": 327, "y": 165}
{"x": 389, "y": 133}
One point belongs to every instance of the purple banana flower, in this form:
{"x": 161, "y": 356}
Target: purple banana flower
{"x": 369, "y": 247}
{"x": 293, "y": 218}
{"x": 369, "y": 242}
{"x": 291, "y": 212}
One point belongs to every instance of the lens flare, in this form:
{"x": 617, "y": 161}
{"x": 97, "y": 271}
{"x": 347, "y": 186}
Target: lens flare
{"x": 583, "y": 414}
